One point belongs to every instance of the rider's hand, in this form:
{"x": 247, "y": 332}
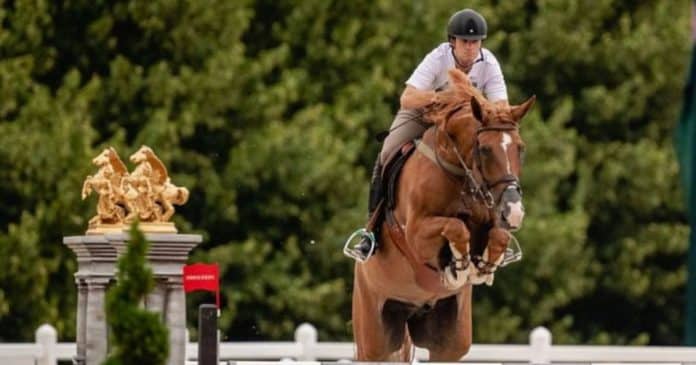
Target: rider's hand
{"x": 436, "y": 98}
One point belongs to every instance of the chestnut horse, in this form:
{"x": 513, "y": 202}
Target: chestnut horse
{"x": 457, "y": 198}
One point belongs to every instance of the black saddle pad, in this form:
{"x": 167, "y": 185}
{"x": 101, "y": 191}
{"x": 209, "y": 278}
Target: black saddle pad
{"x": 392, "y": 171}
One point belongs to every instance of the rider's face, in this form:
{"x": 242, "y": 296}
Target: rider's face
{"x": 466, "y": 50}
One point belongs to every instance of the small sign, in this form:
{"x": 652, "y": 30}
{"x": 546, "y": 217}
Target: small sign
{"x": 204, "y": 277}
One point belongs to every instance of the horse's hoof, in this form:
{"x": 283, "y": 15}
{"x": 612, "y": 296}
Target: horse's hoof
{"x": 477, "y": 278}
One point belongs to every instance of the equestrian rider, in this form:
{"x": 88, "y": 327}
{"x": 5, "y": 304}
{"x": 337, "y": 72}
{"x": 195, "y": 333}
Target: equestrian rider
{"x": 466, "y": 30}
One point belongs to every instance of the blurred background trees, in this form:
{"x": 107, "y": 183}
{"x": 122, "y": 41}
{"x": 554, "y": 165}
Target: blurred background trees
{"x": 267, "y": 110}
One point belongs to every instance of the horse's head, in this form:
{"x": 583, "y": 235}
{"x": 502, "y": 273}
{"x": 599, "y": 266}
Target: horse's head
{"x": 141, "y": 154}
{"x": 487, "y": 135}
{"x": 498, "y": 154}
{"x": 103, "y": 158}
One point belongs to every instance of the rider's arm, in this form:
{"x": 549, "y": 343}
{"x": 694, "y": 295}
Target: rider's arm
{"x": 425, "y": 78}
{"x": 494, "y": 85}
{"x": 413, "y": 98}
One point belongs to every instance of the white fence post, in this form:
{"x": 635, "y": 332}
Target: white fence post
{"x": 540, "y": 346}
{"x": 306, "y": 336}
{"x": 187, "y": 340}
{"x": 47, "y": 339}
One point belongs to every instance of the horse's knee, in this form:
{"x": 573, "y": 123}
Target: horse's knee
{"x": 456, "y": 231}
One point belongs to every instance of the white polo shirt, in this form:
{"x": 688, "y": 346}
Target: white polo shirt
{"x": 485, "y": 74}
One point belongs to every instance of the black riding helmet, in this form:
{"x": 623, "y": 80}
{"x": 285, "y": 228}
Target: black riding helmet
{"x": 467, "y": 24}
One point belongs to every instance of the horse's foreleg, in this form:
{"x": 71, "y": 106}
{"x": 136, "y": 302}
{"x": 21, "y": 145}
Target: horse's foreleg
{"x": 458, "y": 236}
{"x": 86, "y": 187}
{"x": 168, "y": 211}
{"x": 498, "y": 239}
{"x": 492, "y": 257}
{"x": 427, "y": 237}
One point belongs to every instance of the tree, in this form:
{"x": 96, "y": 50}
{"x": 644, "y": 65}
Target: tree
{"x": 137, "y": 335}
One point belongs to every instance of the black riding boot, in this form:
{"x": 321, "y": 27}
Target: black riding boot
{"x": 374, "y": 223}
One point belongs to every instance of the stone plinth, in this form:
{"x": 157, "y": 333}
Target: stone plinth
{"x": 167, "y": 256}
{"x": 96, "y": 257}
{"x": 96, "y": 261}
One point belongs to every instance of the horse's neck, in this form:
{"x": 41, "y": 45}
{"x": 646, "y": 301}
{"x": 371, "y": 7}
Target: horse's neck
{"x": 438, "y": 142}
{"x": 103, "y": 171}
{"x": 143, "y": 169}
{"x": 444, "y": 149}
{"x": 118, "y": 166}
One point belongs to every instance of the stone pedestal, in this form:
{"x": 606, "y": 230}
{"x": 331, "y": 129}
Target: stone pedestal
{"x": 96, "y": 257}
{"x": 96, "y": 261}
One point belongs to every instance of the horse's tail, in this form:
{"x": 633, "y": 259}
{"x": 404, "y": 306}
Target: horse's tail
{"x": 182, "y": 195}
{"x": 407, "y": 350}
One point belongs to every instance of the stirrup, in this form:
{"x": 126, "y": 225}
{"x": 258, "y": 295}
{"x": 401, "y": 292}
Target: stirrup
{"x": 351, "y": 250}
{"x": 513, "y": 253}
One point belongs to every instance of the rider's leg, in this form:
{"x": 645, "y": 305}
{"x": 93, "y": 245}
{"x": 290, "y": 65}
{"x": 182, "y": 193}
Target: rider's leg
{"x": 407, "y": 125}
{"x": 376, "y": 187}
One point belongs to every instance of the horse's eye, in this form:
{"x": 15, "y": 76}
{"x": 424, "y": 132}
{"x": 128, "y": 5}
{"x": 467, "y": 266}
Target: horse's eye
{"x": 485, "y": 150}
{"x": 523, "y": 151}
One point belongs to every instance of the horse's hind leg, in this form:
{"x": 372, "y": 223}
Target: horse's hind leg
{"x": 446, "y": 329}
{"x": 373, "y": 340}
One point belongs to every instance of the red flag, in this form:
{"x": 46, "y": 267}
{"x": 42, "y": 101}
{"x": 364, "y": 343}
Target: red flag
{"x": 203, "y": 277}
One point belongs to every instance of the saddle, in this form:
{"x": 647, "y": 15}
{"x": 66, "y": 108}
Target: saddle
{"x": 390, "y": 180}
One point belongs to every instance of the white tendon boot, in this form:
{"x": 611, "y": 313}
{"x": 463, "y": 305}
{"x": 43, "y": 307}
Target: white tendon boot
{"x": 455, "y": 277}
{"x": 478, "y": 277}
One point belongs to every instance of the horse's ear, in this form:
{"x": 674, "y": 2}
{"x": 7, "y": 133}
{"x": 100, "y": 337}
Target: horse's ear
{"x": 519, "y": 111}
{"x": 476, "y": 109}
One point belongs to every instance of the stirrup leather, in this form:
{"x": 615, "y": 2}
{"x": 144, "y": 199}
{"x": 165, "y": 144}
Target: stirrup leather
{"x": 352, "y": 250}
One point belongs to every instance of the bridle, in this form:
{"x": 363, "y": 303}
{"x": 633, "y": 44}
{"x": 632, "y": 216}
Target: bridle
{"x": 508, "y": 179}
{"x": 480, "y": 190}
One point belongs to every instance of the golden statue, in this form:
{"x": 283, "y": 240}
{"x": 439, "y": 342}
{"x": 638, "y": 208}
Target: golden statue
{"x": 106, "y": 183}
{"x": 146, "y": 194}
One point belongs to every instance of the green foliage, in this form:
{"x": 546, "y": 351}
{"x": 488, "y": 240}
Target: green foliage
{"x": 137, "y": 335}
{"x": 266, "y": 110}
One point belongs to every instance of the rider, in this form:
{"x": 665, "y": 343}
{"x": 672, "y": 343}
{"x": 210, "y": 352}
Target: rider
{"x": 466, "y": 30}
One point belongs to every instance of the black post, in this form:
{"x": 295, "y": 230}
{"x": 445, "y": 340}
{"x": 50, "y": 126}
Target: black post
{"x": 207, "y": 335}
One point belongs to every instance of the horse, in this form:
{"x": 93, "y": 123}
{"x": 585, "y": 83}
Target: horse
{"x": 138, "y": 189}
{"x": 106, "y": 182}
{"x": 151, "y": 177}
{"x": 457, "y": 198}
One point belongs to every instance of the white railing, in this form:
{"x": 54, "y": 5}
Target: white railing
{"x": 306, "y": 349}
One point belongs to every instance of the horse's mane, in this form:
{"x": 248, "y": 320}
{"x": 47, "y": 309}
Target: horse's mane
{"x": 116, "y": 163}
{"x": 160, "y": 171}
{"x": 456, "y": 98}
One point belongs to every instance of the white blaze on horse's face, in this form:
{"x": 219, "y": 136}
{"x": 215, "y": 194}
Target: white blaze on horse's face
{"x": 511, "y": 208}
{"x": 505, "y": 143}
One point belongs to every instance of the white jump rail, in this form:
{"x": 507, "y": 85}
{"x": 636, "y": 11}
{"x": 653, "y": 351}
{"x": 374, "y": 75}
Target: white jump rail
{"x": 306, "y": 350}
